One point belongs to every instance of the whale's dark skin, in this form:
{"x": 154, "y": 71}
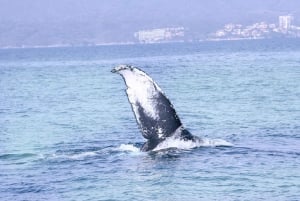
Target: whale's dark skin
{"x": 165, "y": 123}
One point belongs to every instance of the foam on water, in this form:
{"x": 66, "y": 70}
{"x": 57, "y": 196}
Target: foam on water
{"x": 82, "y": 155}
{"x": 215, "y": 143}
{"x": 76, "y": 156}
{"x": 177, "y": 143}
{"x": 129, "y": 148}
{"x": 182, "y": 144}
{"x": 85, "y": 154}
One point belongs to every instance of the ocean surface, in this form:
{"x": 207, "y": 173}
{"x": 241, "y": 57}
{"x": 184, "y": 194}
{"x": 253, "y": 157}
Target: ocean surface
{"x": 67, "y": 131}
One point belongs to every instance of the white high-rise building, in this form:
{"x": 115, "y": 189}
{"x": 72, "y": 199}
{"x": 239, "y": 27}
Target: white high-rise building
{"x": 160, "y": 35}
{"x": 285, "y": 22}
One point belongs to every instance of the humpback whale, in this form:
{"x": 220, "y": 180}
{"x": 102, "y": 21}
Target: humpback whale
{"x": 154, "y": 113}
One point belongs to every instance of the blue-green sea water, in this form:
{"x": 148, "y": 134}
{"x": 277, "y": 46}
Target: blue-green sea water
{"x": 67, "y": 131}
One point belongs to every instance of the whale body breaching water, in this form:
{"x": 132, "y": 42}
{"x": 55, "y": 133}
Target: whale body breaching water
{"x": 153, "y": 111}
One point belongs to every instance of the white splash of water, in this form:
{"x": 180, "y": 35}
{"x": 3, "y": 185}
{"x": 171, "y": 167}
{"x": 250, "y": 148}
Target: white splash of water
{"x": 82, "y": 155}
{"x": 78, "y": 156}
{"x": 178, "y": 143}
{"x": 215, "y": 143}
{"x": 128, "y": 147}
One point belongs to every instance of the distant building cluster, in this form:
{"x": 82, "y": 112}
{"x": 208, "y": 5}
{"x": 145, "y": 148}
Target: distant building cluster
{"x": 260, "y": 30}
{"x": 160, "y": 35}
{"x": 285, "y": 28}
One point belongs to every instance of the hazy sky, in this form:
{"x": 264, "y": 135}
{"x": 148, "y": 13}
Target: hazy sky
{"x": 43, "y": 21}
{"x": 83, "y": 10}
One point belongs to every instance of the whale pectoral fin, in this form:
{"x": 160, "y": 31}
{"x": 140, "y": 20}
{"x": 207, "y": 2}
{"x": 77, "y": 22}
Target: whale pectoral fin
{"x": 153, "y": 111}
{"x": 181, "y": 133}
{"x": 161, "y": 128}
{"x": 151, "y": 144}
{"x": 186, "y": 135}
{"x": 147, "y": 124}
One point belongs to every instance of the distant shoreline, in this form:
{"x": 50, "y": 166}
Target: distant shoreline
{"x": 63, "y": 45}
{"x": 157, "y": 43}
